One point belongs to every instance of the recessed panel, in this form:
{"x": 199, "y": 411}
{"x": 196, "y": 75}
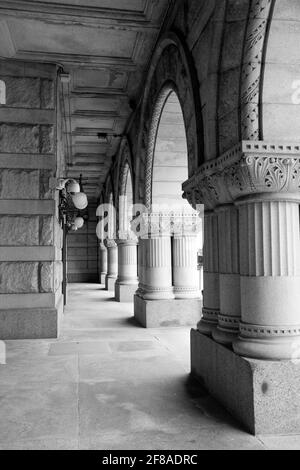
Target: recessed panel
{"x": 73, "y": 40}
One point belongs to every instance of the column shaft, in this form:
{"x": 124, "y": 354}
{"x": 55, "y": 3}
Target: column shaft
{"x": 185, "y": 269}
{"x": 102, "y": 262}
{"x": 158, "y": 268}
{"x": 229, "y": 278}
{"x": 270, "y": 279}
{"x": 211, "y": 295}
{"x": 112, "y": 264}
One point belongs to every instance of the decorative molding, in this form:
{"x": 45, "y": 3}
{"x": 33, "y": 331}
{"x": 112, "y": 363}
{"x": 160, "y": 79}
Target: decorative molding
{"x": 210, "y": 315}
{"x": 110, "y": 243}
{"x": 251, "y": 77}
{"x": 249, "y": 168}
{"x": 169, "y": 223}
{"x": 258, "y": 331}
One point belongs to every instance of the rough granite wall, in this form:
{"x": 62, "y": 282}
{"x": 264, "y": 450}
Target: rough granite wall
{"x": 30, "y": 235}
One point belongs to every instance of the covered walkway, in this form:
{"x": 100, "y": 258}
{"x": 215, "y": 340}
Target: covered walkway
{"x": 109, "y": 384}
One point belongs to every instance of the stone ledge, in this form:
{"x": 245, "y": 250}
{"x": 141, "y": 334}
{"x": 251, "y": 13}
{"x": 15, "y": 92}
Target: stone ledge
{"x": 167, "y": 313}
{"x": 262, "y": 395}
{"x": 31, "y": 323}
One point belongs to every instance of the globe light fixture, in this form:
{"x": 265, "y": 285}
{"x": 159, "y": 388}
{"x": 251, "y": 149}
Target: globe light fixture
{"x": 79, "y": 222}
{"x": 80, "y": 201}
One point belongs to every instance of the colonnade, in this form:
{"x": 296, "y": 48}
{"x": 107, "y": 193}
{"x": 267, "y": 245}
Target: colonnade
{"x": 160, "y": 264}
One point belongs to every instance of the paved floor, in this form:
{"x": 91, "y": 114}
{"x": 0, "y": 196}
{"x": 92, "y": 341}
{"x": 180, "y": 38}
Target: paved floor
{"x": 109, "y": 384}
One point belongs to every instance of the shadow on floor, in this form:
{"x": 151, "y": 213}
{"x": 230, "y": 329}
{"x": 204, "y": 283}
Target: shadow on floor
{"x": 131, "y": 321}
{"x": 207, "y": 405}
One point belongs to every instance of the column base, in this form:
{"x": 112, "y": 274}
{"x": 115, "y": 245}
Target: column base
{"x": 262, "y": 395}
{"x": 102, "y": 278}
{"x": 209, "y": 321}
{"x": 268, "y": 349}
{"x": 125, "y": 292}
{"x": 110, "y": 282}
{"x": 224, "y": 337}
{"x": 166, "y": 313}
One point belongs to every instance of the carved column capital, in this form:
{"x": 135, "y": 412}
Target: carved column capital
{"x": 110, "y": 243}
{"x": 249, "y": 168}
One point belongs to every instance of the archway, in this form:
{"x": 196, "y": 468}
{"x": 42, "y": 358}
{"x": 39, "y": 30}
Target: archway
{"x": 171, "y": 69}
{"x": 170, "y": 155}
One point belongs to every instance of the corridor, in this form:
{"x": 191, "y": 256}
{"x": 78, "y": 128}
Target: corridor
{"x": 107, "y": 383}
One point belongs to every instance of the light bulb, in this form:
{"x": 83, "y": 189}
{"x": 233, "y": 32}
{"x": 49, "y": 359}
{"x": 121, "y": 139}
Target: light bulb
{"x": 80, "y": 201}
{"x": 79, "y": 222}
{"x": 73, "y": 187}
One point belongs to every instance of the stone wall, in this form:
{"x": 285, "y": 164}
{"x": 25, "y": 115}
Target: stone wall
{"x": 82, "y": 251}
{"x": 30, "y": 235}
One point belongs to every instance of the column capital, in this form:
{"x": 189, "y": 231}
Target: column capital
{"x": 250, "y": 167}
{"x": 179, "y": 224}
{"x": 126, "y": 237}
{"x": 110, "y": 243}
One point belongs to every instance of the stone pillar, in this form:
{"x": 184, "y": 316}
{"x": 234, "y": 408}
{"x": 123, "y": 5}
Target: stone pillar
{"x": 168, "y": 266}
{"x": 211, "y": 286}
{"x": 229, "y": 278}
{"x": 257, "y": 380}
{"x": 127, "y": 281}
{"x": 112, "y": 265}
{"x": 102, "y": 263}
{"x": 185, "y": 267}
{"x": 141, "y": 267}
{"x": 158, "y": 269}
{"x": 270, "y": 277}
{"x": 31, "y": 300}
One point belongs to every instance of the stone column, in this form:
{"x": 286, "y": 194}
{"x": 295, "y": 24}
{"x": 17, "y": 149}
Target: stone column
{"x": 229, "y": 278}
{"x": 211, "y": 287}
{"x": 270, "y": 277}
{"x": 102, "y": 262}
{"x": 158, "y": 269}
{"x": 185, "y": 267}
{"x": 141, "y": 267}
{"x": 112, "y": 265}
{"x": 127, "y": 281}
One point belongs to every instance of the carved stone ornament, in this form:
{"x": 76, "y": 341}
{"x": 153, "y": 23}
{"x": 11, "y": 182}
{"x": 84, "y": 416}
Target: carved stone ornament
{"x": 172, "y": 224}
{"x": 110, "y": 243}
{"x": 249, "y": 168}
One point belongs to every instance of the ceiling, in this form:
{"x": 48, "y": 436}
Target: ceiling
{"x": 105, "y": 46}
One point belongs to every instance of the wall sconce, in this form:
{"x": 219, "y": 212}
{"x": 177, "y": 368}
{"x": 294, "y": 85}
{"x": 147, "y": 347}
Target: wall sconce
{"x": 74, "y": 188}
{"x": 72, "y": 200}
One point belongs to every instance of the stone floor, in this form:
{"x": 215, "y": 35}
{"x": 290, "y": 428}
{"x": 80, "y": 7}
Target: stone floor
{"x": 109, "y": 384}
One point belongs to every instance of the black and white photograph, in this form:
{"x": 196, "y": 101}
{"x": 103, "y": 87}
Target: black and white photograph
{"x": 149, "y": 228}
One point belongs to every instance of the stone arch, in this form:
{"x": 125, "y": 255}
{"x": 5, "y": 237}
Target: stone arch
{"x": 125, "y": 165}
{"x": 171, "y": 68}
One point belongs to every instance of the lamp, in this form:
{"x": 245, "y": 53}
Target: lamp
{"x": 78, "y": 222}
{"x": 72, "y": 201}
{"x": 80, "y": 201}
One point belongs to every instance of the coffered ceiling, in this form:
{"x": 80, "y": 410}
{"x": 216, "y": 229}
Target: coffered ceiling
{"x": 105, "y": 46}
